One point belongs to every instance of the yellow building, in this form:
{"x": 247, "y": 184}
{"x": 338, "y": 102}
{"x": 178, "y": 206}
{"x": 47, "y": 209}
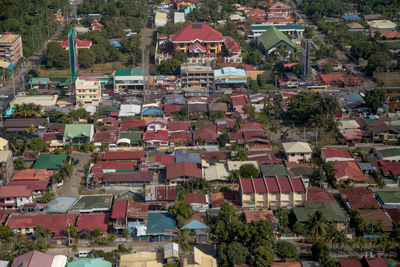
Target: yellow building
{"x": 87, "y": 91}
{"x": 199, "y": 259}
{"x": 142, "y": 259}
{"x": 11, "y": 47}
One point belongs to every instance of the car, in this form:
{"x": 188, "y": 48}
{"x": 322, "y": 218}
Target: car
{"x": 3, "y": 96}
{"x": 238, "y": 90}
{"x": 47, "y": 93}
{"x": 69, "y": 93}
{"x": 110, "y": 93}
{"x": 228, "y": 92}
{"x": 21, "y": 93}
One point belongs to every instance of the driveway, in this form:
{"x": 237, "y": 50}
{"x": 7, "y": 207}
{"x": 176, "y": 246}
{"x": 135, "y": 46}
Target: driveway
{"x": 71, "y": 186}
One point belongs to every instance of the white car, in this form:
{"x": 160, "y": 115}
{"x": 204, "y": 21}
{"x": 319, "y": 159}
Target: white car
{"x": 228, "y": 92}
{"x": 3, "y": 96}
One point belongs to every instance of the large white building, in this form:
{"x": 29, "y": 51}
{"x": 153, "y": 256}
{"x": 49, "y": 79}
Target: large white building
{"x": 128, "y": 79}
{"x": 87, "y": 91}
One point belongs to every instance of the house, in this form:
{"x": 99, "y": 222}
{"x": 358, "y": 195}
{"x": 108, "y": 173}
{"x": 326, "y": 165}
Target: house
{"x": 96, "y": 26}
{"x": 198, "y": 259}
{"x": 207, "y": 136}
{"x": 330, "y": 210}
{"x": 355, "y": 27}
{"x": 126, "y": 212}
{"x": 20, "y": 125}
{"x": 350, "y": 17}
{"x": 272, "y": 192}
{"x": 197, "y": 224}
{"x": 150, "y": 113}
{"x": 160, "y": 225}
{"x": 160, "y": 19}
{"x": 128, "y": 79}
{"x": 89, "y": 262}
{"x": 108, "y": 138}
{"x": 384, "y": 133}
{"x": 335, "y": 64}
{"x": 338, "y": 79}
{"x": 129, "y": 110}
{"x": 230, "y": 77}
{"x": 256, "y": 15}
{"x": 281, "y": 8}
{"x": 144, "y": 258}
{"x": 359, "y": 198}
{"x": 199, "y": 202}
{"x": 141, "y": 177}
{"x": 79, "y": 43}
{"x": 372, "y": 217}
{"x": 185, "y": 4}
{"x": 32, "y": 175}
{"x": 34, "y": 258}
{"x": 319, "y": 195}
{"x": 50, "y": 161}
{"x": 78, "y": 133}
{"x": 15, "y": 196}
{"x": 6, "y": 165}
{"x": 216, "y": 172}
{"x": 156, "y": 124}
{"x": 56, "y": 223}
{"x": 183, "y": 171}
{"x": 388, "y": 199}
{"x": 267, "y": 215}
{"x": 362, "y": 262}
{"x": 123, "y": 155}
{"x": 349, "y": 172}
{"x": 297, "y": 151}
{"x": 179, "y": 17}
{"x": 389, "y": 154}
{"x": 163, "y": 193}
{"x": 238, "y": 101}
{"x": 334, "y": 154}
{"x": 382, "y": 24}
{"x": 93, "y": 221}
{"x": 182, "y": 155}
{"x": 272, "y": 38}
{"x": 159, "y": 138}
{"x": 202, "y": 43}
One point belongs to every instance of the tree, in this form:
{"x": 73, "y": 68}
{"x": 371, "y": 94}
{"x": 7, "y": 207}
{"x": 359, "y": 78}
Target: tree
{"x": 180, "y": 208}
{"x": 249, "y": 170}
{"x": 241, "y": 155}
{"x": 249, "y": 110}
{"x": 375, "y": 98}
{"x": 285, "y": 250}
{"x": 262, "y": 256}
{"x": 185, "y": 240}
{"x": 56, "y": 56}
{"x": 316, "y": 224}
{"x": 19, "y": 164}
{"x": 320, "y": 252}
{"x": 233, "y": 253}
{"x": 223, "y": 139}
{"x": 86, "y": 58}
{"x": 46, "y": 197}
{"x": 38, "y": 144}
{"x": 234, "y": 176}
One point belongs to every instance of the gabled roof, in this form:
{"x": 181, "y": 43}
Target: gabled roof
{"x": 330, "y": 209}
{"x": 195, "y": 225}
{"x": 31, "y": 174}
{"x": 272, "y": 37}
{"x": 197, "y": 47}
{"x": 328, "y": 152}
{"x": 272, "y": 185}
{"x": 279, "y": 6}
{"x": 364, "y": 262}
{"x": 33, "y": 258}
{"x": 231, "y": 45}
{"x": 195, "y": 198}
{"x": 319, "y": 194}
{"x": 196, "y": 32}
{"x": 297, "y": 147}
{"x": 183, "y": 169}
{"x": 77, "y": 130}
{"x": 158, "y": 223}
{"x": 93, "y": 221}
{"x": 49, "y": 161}
{"x": 359, "y": 198}
{"x": 348, "y": 170}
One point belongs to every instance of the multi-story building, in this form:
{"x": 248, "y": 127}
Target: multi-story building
{"x": 11, "y": 47}
{"x": 87, "y": 91}
{"x": 128, "y": 79}
{"x": 6, "y": 165}
{"x": 194, "y": 75}
{"x": 273, "y": 192}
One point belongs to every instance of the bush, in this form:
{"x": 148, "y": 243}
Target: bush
{"x": 285, "y": 250}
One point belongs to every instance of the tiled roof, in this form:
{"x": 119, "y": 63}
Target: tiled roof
{"x": 109, "y": 137}
{"x": 170, "y": 108}
{"x": 273, "y": 185}
{"x": 319, "y": 194}
{"x": 251, "y": 126}
{"x": 359, "y": 198}
{"x": 267, "y": 215}
{"x": 123, "y": 155}
{"x": 131, "y": 123}
{"x": 165, "y": 159}
{"x": 32, "y": 259}
{"x": 239, "y": 100}
{"x": 158, "y": 136}
{"x": 364, "y": 262}
{"x": 336, "y": 153}
{"x": 179, "y": 126}
{"x": 394, "y": 215}
{"x": 119, "y": 209}
{"x": 206, "y": 133}
{"x": 23, "y": 123}
{"x": 183, "y": 169}
{"x": 348, "y": 170}
{"x": 196, "y": 31}
{"x": 13, "y": 191}
{"x": 180, "y": 137}
{"x": 195, "y": 198}
{"x": 197, "y": 46}
{"x": 218, "y": 154}
{"x": 93, "y": 221}
{"x": 32, "y": 174}
{"x": 34, "y": 185}
{"x": 156, "y": 120}
{"x": 231, "y": 45}
{"x": 376, "y": 216}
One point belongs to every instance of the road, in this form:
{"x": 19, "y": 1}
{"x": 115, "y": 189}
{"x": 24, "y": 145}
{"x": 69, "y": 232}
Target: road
{"x": 147, "y": 38}
{"x": 71, "y": 186}
{"x": 342, "y": 56}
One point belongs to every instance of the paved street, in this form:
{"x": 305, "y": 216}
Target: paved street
{"x": 70, "y": 187}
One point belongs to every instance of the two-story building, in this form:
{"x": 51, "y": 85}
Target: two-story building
{"x": 15, "y": 196}
{"x": 297, "y": 151}
{"x": 273, "y": 192}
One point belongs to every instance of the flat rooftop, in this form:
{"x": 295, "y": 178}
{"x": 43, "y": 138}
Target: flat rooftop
{"x": 92, "y": 203}
{"x": 41, "y": 100}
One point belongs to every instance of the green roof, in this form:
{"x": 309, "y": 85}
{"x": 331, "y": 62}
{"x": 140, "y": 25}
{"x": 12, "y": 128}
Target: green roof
{"x": 330, "y": 210}
{"x": 39, "y": 81}
{"x": 272, "y": 170}
{"x": 49, "y": 161}
{"x": 134, "y": 136}
{"x": 158, "y": 223}
{"x": 389, "y": 196}
{"x": 279, "y": 27}
{"x": 272, "y": 37}
{"x": 89, "y": 262}
{"x": 77, "y": 130}
{"x": 388, "y": 152}
{"x": 129, "y": 72}
{"x": 108, "y": 109}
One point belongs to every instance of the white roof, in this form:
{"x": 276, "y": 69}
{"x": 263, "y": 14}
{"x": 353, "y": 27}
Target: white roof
{"x": 348, "y": 124}
{"x": 216, "y": 172}
{"x": 59, "y": 261}
{"x": 235, "y": 165}
{"x": 127, "y": 110}
{"x": 382, "y": 24}
{"x": 297, "y": 147}
{"x": 179, "y": 17}
{"x": 161, "y": 16}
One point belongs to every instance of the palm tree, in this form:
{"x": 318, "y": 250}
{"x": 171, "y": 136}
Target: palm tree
{"x": 317, "y": 225}
{"x": 331, "y": 232}
{"x": 13, "y": 144}
{"x": 340, "y": 239}
{"x": 359, "y": 242}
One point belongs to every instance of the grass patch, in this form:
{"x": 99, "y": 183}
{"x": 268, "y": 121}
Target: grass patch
{"x": 99, "y": 69}
{"x": 393, "y": 79}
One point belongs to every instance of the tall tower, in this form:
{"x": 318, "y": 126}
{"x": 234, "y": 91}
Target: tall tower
{"x": 305, "y": 57}
{"x": 73, "y": 55}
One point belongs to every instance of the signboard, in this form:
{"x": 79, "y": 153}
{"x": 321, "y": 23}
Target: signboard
{"x": 73, "y": 54}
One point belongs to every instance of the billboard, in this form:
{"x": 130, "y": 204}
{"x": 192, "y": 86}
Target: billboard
{"x": 73, "y": 54}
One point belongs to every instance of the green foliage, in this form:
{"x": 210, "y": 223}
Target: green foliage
{"x": 253, "y": 57}
{"x": 375, "y": 98}
{"x": 241, "y": 155}
{"x": 199, "y": 185}
{"x": 86, "y": 58}
{"x": 46, "y": 197}
{"x": 171, "y": 67}
{"x": 317, "y": 225}
{"x": 180, "y": 208}
{"x": 249, "y": 170}
{"x": 19, "y": 164}
{"x": 233, "y": 254}
{"x": 185, "y": 240}
{"x": 38, "y": 144}
{"x": 285, "y": 250}
{"x": 56, "y": 56}
{"x": 26, "y": 111}
{"x": 320, "y": 252}
{"x": 111, "y": 256}
{"x": 223, "y": 139}
{"x": 262, "y": 256}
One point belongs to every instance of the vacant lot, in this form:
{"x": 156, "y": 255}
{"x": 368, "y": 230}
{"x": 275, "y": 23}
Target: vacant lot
{"x": 393, "y": 79}
{"x": 101, "y": 69}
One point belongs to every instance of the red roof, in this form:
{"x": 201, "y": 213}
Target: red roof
{"x": 13, "y": 191}
{"x": 34, "y": 185}
{"x": 254, "y": 216}
{"x": 278, "y": 6}
{"x": 109, "y": 137}
{"x": 195, "y": 198}
{"x": 165, "y": 159}
{"x": 348, "y": 170}
{"x": 364, "y": 262}
{"x": 128, "y": 177}
{"x": 319, "y": 194}
{"x": 137, "y": 210}
{"x": 254, "y": 135}
{"x": 335, "y": 153}
{"x": 80, "y": 43}
{"x": 56, "y": 223}
{"x": 179, "y": 126}
{"x": 265, "y": 156}
{"x": 231, "y": 45}
{"x": 158, "y": 136}
{"x": 32, "y": 259}
{"x": 166, "y": 192}
{"x": 119, "y": 209}
{"x": 123, "y": 155}
{"x": 156, "y": 120}
{"x": 217, "y": 154}
{"x": 239, "y": 100}
{"x": 180, "y": 137}
{"x": 183, "y": 169}
{"x": 31, "y": 174}
{"x": 394, "y": 215}
{"x": 169, "y": 109}
{"x": 391, "y": 35}
{"x": 359, "y": 198}
{"x": 93, "y": 221}
{"x": 206, "y": 133}
{"x": 197, "y": 46}
{"x": 272, "y": 185}
{"x": 196, "y": 31}
{"x": 391, "y": 167}
{"x": 256, "y": 12}
{"x": 131, "y": 123}
{"x": 252, "y": 126}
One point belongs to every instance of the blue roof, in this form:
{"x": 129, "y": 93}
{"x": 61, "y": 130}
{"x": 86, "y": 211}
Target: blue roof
{"x": 152, "y": 111}
{"x": 350, "y": 17}
{"x": 182, "y": 155}
{"x": 115, "y": 43}
{"x": 195, "y": 225}
{"x": 158, "y": 223}
{"x": 175, "y": 99}
{"x": 353, "y": 97}
{"x": 89, "y": 262}
{"x": 229, "y": 71}
{"x": 10, "y": 67}
{"x": 60, "y": 204}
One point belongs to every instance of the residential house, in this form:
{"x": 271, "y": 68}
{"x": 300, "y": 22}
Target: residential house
{"x": 297, "y": 151}
{"x": 128, "y": 79}
{"x": 156, "y": 124}
{"x": 126, "y": 213}
{"x": 355, "y": 27}
{"x": 319, "y": 195}
{"x": 81, "y": 44}
{"x": 359, "y": 198}
{"x": 92, "y": 221}
{"x": 328, "y": 62}
{"x": 199, "y": 202}
{"x": 384, "y": 133}
{"x": 160, "y": 193}
{"x": 50, "y": 161}
{"x": 206, "y": 136}
{"x": 198, "y": 259}
{"x": 96, "y": 26}
{"x": 388, "y": 199}
{"x": 349, "y": 172}
{"x": 256, "y": 15}
{"x": 15, "y": 196}
{"x": 197, "y": 224}
{"x": 272, "y": 192}
{"x": 6, "y": 165}
{"x": 183, "y": 171}
{"x": 364, "y": 262}
{"x": 159, "y": 138}
{"x": 389, "y": 154}
{"x": 123, "y": 155}
{"x": 281, "y": 8}
{"x": 238, "y": 101}
{"x": 255, "y": 216}
{"x": 89, "y": 262}
{"x": 184, "y": 4}
{"x": 78, "y": 133}
{"x": 335, "y": 154}
{"x": 34, "y": 258}
{"x": 129, "y": 110}
{"x": 160, "y": 226}
{"x": 137, "y": 177}
{"x": 182, "y": 155}
{"x": 20, "y": 125}
{"x": 108, "y": 138}
{"x": 373, "y": 217}
{"x": 381, "y": 24}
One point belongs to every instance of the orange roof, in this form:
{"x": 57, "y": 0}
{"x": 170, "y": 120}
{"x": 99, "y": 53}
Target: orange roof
{"x": 31, "y": 174}
{"x": 391, "y": 35}
{"x": 267, "y": 215}
{"x": 348, "y": 170}
{"x": 285, "y": 264}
